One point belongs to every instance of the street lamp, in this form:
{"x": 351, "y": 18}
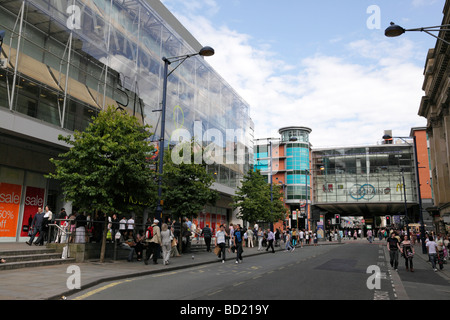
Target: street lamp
{"x": 406, "y": 205}
{"x": 205, "y": 52}
{"x": 395, "y": 30}
{"x": 419, "y": 195}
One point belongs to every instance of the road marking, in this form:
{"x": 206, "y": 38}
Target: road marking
{"x": 164, "y": 274}
{"x": 211, "y": 294}
{"x": 109, "y": 286}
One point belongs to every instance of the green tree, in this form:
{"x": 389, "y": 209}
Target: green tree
{"x": 186, "y": 182}
{"x": 253, "y": 199}
{"x": 107, "y": 168}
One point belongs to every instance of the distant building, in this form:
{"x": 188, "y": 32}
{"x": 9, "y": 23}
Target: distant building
{"x": 435, "y": 108}
{"x": 285, "y": 161}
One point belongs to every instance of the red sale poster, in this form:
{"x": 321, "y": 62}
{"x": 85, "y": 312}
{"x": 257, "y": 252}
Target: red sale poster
{"x": 9, "y": 208}
{"x": 34, "y": 198}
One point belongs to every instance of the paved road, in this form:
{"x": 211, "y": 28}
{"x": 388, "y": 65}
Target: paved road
{"x": 311, "y": 273}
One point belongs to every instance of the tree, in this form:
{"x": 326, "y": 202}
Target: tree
{"x": 253, "y": 199}
{"x": 107, "y": 168}
{"x": 186, "y": 184}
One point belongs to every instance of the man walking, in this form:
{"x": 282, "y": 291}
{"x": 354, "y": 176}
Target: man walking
{"x": 154, "y": 243}
{"x": 36, "y": 225}
{"x": 393, "y": 246}
{"x": 221, "y": 242}
{"x": 237, "y": 241}
{"x": 270, "y": 239}
{"x": 369, "y": 236}
{"x": 207, "y": 234}
{"x": 432, "y": 252}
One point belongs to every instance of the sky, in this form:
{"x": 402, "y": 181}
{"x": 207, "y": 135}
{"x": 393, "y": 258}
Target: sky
{"x": 322, "y": 64}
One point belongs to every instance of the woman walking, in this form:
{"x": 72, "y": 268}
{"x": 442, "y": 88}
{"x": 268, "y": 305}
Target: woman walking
{"x": 408, "y": 253}
{"x": 166, "y": 243}
{"x": 260, "y": 238}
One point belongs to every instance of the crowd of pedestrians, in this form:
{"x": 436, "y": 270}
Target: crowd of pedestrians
{"x": 399, "y": 243}
{"x": 162, "y": 239}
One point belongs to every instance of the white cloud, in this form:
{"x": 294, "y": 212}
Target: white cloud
{"x": 344, "y": 100}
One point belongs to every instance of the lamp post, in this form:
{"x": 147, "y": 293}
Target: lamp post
{"x": 395, "y": 30}
{"x": 206, "y": 52}
{"x": 419, "y": 195}
{"x": 406, "y": 206}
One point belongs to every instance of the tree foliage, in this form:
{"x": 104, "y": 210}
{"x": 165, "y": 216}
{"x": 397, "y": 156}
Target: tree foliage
{"x": 253, "y": 199}
{"x": 186, "y": 184}
{"x": 107, "y": 166}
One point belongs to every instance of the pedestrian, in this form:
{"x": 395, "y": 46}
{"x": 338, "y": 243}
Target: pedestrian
{"x": 260, "y": 238}
{"x": 288, "y": 246}
{"x": 250, "y": 238}
{"x": 63, "y": 234}
{"x": 270, "y": 239}
{"x": 44, "y": 234}
{"x": 432, "y": 249}
{"x": 393, "y": 248}
{"x": 166, "y": 242}
{"x": 139, "y": 247}
{"x": 130, "y": 224}
{"x": 114, "y": 226}
{"x": 220, "y": 241}
{"x": 59, "y": 221}
{"x": 294, "y": 237}
{"x": 207, "y": 235}
{"x": 129, "y": 244}
{"x": 315, "y": 239}
{"x": 369, "y": 236}
{"x": 123, "y": 226}
{"x": 301, "y": 236}
{"x": 408, "y": 253}
{"x": 446, "y": 247}
{"x": 277, "y": 238}
{"x": 154, "y": 243}
{"x": 307, "y": 237}
{"x": 80, "y": 231}
{"x": 36, "y": 225}
{"x": 231, "y": 233}
{"x": 237, "y": 242}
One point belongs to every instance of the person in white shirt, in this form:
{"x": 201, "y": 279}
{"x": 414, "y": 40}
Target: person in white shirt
{"x": 432, "y": 253}
{"x": 302, "y": 237}
{"x": 221, "y": 242}
{"x": 130, "y": 224}
{"x": 123, "y": 227}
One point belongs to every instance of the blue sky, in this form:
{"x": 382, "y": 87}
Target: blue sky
{"x": 321, "y": 64}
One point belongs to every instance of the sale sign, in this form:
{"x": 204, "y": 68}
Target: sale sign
{"x": 9, "y": 208}
{"x": 34, "y": 198}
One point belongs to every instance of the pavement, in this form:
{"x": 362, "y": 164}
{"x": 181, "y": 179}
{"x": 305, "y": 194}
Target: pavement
{"x": 53, "y": 282}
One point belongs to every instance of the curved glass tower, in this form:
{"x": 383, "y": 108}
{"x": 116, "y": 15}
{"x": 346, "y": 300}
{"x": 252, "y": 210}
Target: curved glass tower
{"x": 286, "y": 162}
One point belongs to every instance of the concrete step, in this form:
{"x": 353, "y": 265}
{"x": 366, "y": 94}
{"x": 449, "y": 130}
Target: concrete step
{"x": 34, "y": 263}
{"x": 31, "y": 257}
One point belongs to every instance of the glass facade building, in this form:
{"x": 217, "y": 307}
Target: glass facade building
{"x": 287, "y": 161}
{"x": 364, "y": 180}
{"x": 64, "y": 60}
